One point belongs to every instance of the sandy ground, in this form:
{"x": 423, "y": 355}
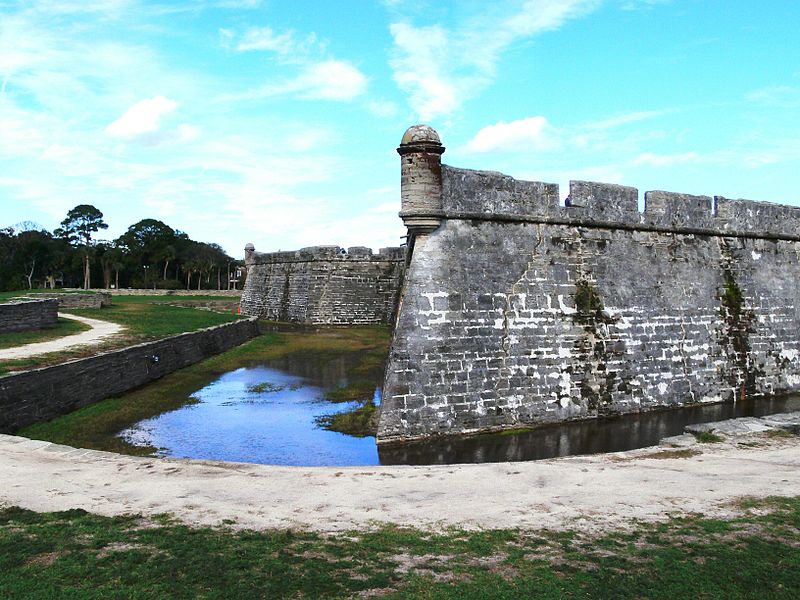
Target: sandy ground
{"x": 100, "y": 331}
{"x": 589, "y": 492}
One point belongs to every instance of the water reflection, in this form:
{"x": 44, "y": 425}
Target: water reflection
{"x": 579, "y": 437}
{"x": 261, "y": 415}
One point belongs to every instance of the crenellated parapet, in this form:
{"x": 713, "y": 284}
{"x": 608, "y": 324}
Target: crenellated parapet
{"x": 469, "y": 194}
{"x": 327, "y": 253}
{"x": 323, "y": 285}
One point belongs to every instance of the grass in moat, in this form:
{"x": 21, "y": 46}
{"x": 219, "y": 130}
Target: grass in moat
{"x": 145, "y": 317}
{"x": 74, "y": 554}
{"x": 63, "y": 328}
{"x": 96, "y": 426}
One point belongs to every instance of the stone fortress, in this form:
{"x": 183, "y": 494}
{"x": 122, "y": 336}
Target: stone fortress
{"x": 323, "y": 285}
{"x": 513, "y": 310}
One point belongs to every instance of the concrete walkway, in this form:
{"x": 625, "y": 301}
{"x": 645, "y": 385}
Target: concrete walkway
{"x": 584, "y": 492}
{"x": 99, "y": 332}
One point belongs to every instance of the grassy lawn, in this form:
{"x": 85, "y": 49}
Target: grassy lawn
{"x": 96, "y": 426}
{"x": 78, "y": 555}
{"x": 146, "y": 318}
{"x": 63, "y": 328}
{"x": 152, "y": 317}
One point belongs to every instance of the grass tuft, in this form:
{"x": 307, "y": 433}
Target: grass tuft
{"x": 706, "y": 437}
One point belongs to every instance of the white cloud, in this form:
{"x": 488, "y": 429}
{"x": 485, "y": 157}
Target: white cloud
{"x": 777, "y": 96}
{"x": 305, "y": 140}
{"x": 530, "y": 133}
{"x": 440, "y": 68}
{"x": 142, "y": 118}
{"x": 666, "y": 160}
{"x": 327, "y": 80}
{"x": 624, "y": 119}
{"x": 382, "y": 108}
{"x": 264, "y": 38}
{"x": 285, "y": 44}
{"x": 331, "y": 80}
{"x": 642, "y": 4}
{"x": 419, "y": 69}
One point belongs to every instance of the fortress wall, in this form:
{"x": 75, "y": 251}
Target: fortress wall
{"x": 516, "y": 310}
{"x": 324, "y": 285}
{"x": 27, "y": 315}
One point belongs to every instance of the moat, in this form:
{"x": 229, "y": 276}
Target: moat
{"x": 272, "y": 413}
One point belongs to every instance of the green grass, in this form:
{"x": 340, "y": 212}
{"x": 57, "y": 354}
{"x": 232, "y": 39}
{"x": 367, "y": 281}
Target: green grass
{"x": 74, "y": 554}
{"x": 63, "y": 328}
{"x": 360, "y": 422}
{"x": 151, "y": 317}
{"x": 6, "y": 296}
{"x": 96, "y": 426}
{"x": 706, "y": 437}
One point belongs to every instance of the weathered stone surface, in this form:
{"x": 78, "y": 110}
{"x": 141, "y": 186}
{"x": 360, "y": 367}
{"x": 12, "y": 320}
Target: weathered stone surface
{"x": 747, "y": 425}
{"x": 67, "y": 301}
{"x": 517, "y": 310}
{"x": 43, "y": 394}
{"x": 324, "y": 285}
{"x": 740, "y": 426}
{"x": 27, "y": 315}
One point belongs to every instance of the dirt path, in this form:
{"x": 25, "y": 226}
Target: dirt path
{"x": 100, "y": 331}
{"x": 586, "y": 492}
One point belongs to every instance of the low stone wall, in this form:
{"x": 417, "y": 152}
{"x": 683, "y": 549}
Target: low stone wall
{"x": 69, "y": 300}
{"x": 27, "y": 315}
{"x": 140, "y": 292}
{"x": 43, "y": 394}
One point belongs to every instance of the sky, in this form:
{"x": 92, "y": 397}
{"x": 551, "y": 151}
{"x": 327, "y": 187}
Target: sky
{"x": 276, "y": 122}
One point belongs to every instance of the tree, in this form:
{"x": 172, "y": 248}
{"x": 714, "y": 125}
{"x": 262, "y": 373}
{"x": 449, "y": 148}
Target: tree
{"x": 149, "y": 242}
{"x": 81, "y": 222}
{"x": 37, "y": 251}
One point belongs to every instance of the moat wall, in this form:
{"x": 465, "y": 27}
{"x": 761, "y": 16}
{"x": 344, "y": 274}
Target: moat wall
{"x": 323, "y": 285}
{"x": 67, "y": 301}
{"x": 46, "y": 393}
{"x": 516, "y": 310}
{"x": 28, "y": 315}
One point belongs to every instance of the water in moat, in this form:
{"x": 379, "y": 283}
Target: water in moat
{"x": 268, "y": 414}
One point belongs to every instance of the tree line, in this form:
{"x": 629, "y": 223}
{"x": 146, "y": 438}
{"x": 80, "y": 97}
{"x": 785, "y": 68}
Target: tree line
{"x": 150, "y": 254}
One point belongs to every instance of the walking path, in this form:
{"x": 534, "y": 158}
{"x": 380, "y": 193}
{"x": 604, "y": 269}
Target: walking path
{"x": 100, "y": 331}
{"x": 583, "y": 492}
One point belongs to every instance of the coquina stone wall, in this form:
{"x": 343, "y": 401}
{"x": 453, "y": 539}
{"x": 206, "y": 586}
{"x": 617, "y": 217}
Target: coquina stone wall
{"x": 27, "y": 315}
{"x": 151, "y": 292}
{"x": 43, "y": 394}
{"x": 516, "y": 310}
{"x": 323, "y": 285}
{"x": 68, "y": 300}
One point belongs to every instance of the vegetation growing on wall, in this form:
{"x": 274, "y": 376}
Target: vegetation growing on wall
{"x": 596, "y": 381}
{"x": 739, "y": 323}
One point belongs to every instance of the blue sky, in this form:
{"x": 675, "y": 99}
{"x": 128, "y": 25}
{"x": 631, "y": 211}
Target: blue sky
{"x": 276, "y": 122}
